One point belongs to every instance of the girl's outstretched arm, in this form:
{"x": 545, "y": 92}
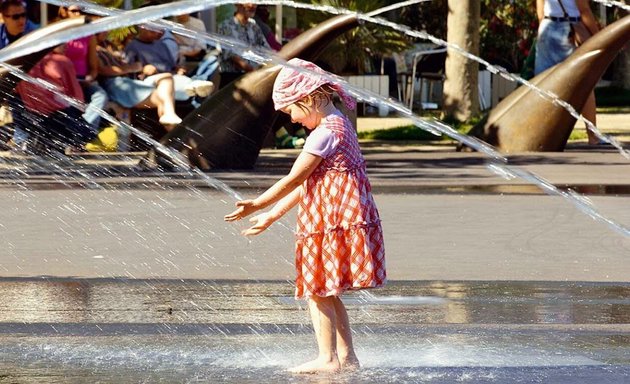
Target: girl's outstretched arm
{"x": 304, "y": 165}
{"x": 265, "y": 219}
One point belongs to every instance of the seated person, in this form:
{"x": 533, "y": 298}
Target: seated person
{"x": 15, "y": 23}
{"x": 157, "y": 51}
{"x": 82, "y": 53}
{"x": 60, "y": 123}
{"x": 190, "y": 49}
{"x": 132, "y": 93}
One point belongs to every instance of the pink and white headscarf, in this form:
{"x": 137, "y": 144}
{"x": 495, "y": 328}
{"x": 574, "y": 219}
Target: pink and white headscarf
{"x": 292, "y": 85}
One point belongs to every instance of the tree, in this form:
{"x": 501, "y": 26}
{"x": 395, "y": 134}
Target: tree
{"x": 352, "y": 52}
{"x": 507, "y": 31}
{"x": 461, "y": 97}
{"x": 621, "y": 76}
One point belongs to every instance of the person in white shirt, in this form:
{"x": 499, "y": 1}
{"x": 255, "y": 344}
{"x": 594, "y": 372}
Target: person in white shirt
{"x": 190, "y": 49}
{"x": 555, "y": 41}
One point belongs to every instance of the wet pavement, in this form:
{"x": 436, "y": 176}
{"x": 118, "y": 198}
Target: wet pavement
{"x": 117, "y": 273}
{"x": 129, "y": 331}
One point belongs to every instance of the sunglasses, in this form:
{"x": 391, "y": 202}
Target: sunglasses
{"x": 17, "y": 16}
{"x": 74, "y": 11}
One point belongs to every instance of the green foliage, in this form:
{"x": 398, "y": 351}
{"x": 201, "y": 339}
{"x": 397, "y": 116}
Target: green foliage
{"x": 428, "y": 16}
{"x": 410, "y": 132}
{"x": 110, "y": 3}
{"x": 352, "y": 52}
{"x": 507, "y": 31}
{"x": 119, "y": 35}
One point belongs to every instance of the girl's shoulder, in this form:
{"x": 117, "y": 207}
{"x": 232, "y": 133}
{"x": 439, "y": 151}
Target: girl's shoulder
{"x": 337, "y": 121}
{"x": 322, "y": 141}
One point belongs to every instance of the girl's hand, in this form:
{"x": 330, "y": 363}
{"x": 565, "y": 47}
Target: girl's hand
{"x": 261, "y": 222}
{"x": 244, "y": 209}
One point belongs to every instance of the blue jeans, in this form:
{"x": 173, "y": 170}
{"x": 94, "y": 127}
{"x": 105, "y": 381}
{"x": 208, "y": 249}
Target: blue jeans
{"x": 553, "y": 44}
{"x": 206, "y": 68}
{"x": 96, "y": 97}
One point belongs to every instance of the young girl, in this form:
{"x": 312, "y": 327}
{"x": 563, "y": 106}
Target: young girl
{"x": 339, "y": 243}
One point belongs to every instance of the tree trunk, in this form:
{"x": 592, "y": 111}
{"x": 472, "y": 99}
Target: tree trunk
{"x": 621, "y": 77}
{"x": 461, "y": 95}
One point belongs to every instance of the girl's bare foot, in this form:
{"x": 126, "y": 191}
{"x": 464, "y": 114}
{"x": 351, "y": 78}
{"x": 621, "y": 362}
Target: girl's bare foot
{"x": 350, "y": 364}
{"x": 317, "y": 366}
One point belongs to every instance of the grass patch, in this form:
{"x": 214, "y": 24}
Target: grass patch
{"x": 413, "y": 133}
{"x": 409, "y": 132}
{"x": 578, "y": 135}
{"x": 613, "y": 110}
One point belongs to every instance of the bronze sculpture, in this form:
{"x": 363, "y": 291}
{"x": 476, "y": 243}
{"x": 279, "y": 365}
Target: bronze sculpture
{"x": 227, "y": 131}
{"x": 524, "y": 121}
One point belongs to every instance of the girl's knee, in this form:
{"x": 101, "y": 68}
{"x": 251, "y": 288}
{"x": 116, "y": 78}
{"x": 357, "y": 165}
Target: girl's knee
{"x": 324, "y": 299}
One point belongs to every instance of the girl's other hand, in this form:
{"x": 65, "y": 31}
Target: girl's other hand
{"x": 261, "y": 222}
{"x": 244, "y": 209}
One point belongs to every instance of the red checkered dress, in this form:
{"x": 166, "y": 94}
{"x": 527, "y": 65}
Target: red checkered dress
{"x": 339, "y": 237}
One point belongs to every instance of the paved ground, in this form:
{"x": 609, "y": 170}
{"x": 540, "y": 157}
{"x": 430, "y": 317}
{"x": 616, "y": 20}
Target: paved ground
{"x": 491, "y": 280}
{"x": 446, "y": 217}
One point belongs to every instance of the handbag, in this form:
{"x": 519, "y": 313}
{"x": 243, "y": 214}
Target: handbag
{"x": 579, "y": 33}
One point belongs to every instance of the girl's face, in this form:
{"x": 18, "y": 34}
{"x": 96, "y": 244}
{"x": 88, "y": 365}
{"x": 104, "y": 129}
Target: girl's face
{"x": 305, "y": 115}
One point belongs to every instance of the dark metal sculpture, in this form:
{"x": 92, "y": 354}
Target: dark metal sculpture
{"x": 227, "y": 131}
{"x": 524, "y": 121}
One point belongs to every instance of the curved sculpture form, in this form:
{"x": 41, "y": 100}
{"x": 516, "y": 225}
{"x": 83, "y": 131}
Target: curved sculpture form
{"x": 524, "y": 121}
{"x": 228, "y": 129}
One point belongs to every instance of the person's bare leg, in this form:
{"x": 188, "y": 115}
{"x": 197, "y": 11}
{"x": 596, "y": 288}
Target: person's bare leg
{"x": 590, "y": 113}
{"x": 345, "y": 349}
{"x": 165, "y": 91}
{"x": 163, "y": 98}
{"x": 322, "y": 310}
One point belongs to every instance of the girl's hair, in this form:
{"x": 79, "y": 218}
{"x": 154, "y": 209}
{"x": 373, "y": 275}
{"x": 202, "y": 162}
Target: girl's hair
{"x": 322, "y": 95}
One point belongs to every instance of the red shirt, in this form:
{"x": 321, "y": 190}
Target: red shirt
{"x": 56, "y": 69}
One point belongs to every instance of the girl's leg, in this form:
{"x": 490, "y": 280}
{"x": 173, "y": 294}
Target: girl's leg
{"x": 322, "y": 311}
{"x": 345, "y": 349}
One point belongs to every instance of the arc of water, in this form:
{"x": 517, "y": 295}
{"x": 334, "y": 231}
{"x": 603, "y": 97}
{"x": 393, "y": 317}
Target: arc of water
{"x": 396, "y": 6}
{"x": 259, "y": 55}
{"x": 175, "y": 156}
{"x": 611, "y": 3}
{"x": 501, "y": 169}
{"x": 547, "y": 95}
{"x": 152, "y": 13}
{"x": 373, "y": 98}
